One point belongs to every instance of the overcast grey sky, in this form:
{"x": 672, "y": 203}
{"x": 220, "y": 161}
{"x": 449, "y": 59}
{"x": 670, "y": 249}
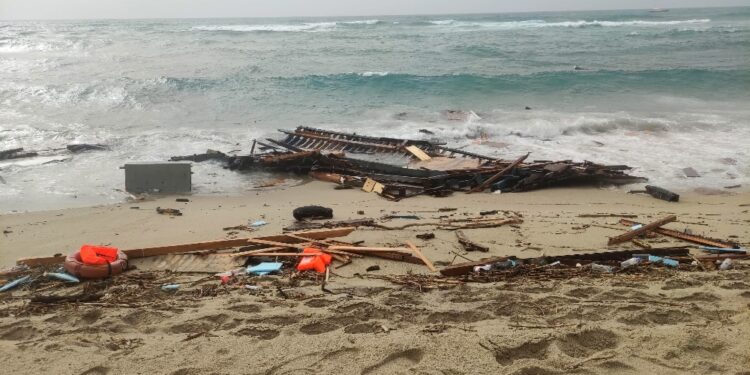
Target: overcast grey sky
{"x": 56, "y": 9}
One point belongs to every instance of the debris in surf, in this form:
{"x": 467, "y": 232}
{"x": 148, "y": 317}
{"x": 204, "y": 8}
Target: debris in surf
{"x": 387, "y": 167}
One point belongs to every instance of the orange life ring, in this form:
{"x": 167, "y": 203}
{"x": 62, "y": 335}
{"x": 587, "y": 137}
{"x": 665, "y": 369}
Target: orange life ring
{"x": 75, "y": 266}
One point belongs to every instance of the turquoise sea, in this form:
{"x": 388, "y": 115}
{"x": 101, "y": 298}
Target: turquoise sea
{"x": 657, "y": 91}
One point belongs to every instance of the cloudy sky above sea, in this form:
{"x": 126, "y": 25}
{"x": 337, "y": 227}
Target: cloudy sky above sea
{"x": 86, "y": 9}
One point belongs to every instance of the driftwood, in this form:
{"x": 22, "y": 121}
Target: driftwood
{"x": 637, "y": 232}
{"x": 701, "y": 240}
{"x": 468, "y": 244}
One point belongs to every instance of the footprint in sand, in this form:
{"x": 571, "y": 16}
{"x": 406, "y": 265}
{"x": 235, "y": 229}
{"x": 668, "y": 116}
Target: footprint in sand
{"x": 371, "y": 327}
{"x": 586, "y": 343}
{"x": 534, "y": 370}
{"x": 534, "y": 350}
{"x": 319, "y": 302}
{"x": 259, "y": 332}
{"x": 18, "y": 332}
{"x": 97, "y": 370}
{"x": 317, "y": 328}
{"x": 245, "y": 308}
{"x": 395, "y": 361}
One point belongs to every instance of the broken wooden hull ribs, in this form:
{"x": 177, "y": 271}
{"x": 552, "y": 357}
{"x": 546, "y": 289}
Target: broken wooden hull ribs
{"x": 400, "y": 168}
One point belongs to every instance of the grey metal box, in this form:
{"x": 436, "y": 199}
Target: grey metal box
{"x": 158, "y": 178}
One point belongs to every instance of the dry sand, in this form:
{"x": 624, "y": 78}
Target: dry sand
{"x": 667, "y": 322}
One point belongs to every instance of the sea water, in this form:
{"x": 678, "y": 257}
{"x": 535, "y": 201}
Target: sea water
{"x": 656, "y": 91}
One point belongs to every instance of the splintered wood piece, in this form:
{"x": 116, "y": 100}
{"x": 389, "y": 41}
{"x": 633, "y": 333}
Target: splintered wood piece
{"x": 373, "y": 186}
{"x": 419, "y": 254}
{"x": 370, "y": 249}
{"x": 468, "y": 244}
{"x": 417, "y": 152}
{"x": 637, "y": 232}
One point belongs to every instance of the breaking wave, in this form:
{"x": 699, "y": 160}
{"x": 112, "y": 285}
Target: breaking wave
{"x": 299, "y": 27}
{"x": 530, "y": 24}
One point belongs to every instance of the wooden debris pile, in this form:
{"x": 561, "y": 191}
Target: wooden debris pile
{"x": 401, "y": 168}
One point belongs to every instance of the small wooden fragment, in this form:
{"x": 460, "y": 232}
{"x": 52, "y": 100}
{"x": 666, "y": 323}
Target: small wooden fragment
{"x": 640, "y": 244}
{"x": 419, "y": 254}
{"x": 418, "y": 153}
{"x": 468, "y": 244}
{"x": 635, "y": 233}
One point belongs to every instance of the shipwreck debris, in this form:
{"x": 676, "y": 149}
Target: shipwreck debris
{"x": 399, "y": 168}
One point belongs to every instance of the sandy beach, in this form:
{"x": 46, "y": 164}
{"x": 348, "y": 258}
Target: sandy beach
{"x": 658, "y": 322}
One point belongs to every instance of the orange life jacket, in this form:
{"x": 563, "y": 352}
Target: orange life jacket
{"x": 91, "y": 254}
{"x": 316, "y": 261}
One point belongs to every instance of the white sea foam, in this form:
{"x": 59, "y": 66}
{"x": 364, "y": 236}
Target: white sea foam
{"x": 305, "y": 27}
{"x": 373, "y": 74}
{"x": 530, "y": 24}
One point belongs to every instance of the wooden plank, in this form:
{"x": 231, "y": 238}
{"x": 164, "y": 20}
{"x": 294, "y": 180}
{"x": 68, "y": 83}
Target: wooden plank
{"x": 417, "y": 152}
{"x": 646, "y": 228}
{"x": 684, "y": 236}
{"x": 421, "y": 256}
{"x": 198, "y": 246}
{"x": 468, "y": 244}
{"x": 370, "y": 249}
{"x": 497, "y": 176}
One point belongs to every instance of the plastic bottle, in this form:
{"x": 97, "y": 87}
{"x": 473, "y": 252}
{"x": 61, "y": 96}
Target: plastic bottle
{"x": 601, "y": 268}
{"x": 630, "y": 262}
{"x": 726, "y": 264}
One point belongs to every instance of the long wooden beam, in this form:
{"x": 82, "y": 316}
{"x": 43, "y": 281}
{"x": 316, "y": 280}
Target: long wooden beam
{"x": 684, "y": 236}
{"x": 198, "y": 246}
{"x": 637, "y": 232}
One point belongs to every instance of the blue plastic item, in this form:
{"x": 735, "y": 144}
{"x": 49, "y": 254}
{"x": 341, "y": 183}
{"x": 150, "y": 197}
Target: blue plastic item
{"x": 258, "y": 224}
{"x": 15, "y": 283}
{"x": 264, "y": 268}
{"x": 665, "y": 261}
{"x": 62, "y": 276}
{"x": 712, "y": 249}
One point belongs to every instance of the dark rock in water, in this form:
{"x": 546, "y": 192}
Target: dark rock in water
{"x": 312, "y": 212}
{"x": 425, "y": 131}
{"x": 16, "y": 153}
{"x": 86, "y": 147}
{"x": 527, "y": 108}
